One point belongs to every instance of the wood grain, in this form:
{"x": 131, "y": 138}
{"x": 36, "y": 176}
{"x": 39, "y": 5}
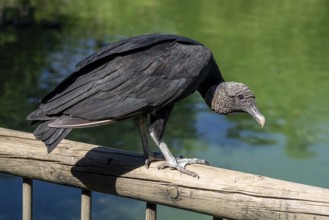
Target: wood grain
{"x": 219, "y": 192}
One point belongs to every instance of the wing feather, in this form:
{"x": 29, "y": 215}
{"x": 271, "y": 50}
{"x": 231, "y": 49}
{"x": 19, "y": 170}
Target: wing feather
{"x": 131, "y": 80}
{"x": 132, "y": 44}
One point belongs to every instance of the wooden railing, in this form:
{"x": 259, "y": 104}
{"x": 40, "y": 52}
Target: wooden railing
{"x": 218, "y": 192}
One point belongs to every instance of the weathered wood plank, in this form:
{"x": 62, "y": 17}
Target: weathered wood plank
{"x": 151, "y": 211}
{"x": 85, "y": 204}
{"x": 27, "y": 199}
{"x": 218, "y": 192}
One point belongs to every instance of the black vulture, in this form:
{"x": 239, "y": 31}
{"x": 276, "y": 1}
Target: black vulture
{"x": 136, "y": 78}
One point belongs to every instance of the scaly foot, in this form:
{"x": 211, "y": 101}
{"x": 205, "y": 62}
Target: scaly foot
{"x": 180, "y": 163}
{"x": 153, "y": 156}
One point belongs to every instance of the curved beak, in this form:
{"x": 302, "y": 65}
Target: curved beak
{"x": 255, "y": 113}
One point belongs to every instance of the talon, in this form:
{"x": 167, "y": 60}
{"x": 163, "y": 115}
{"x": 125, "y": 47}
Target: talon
{"x": 151, "y": 157}
{"x": 147, "y": 163}
{"x": 162, "y": 166}
{"x": 179, "y": 164}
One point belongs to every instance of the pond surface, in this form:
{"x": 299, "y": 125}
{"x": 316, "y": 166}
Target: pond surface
{"x": 278, "y": 48}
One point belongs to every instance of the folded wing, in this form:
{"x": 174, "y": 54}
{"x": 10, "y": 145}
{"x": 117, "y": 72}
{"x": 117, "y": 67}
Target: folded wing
{"x": 126, "y": 79}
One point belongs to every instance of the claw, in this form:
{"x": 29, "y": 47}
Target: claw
{"x": 147, "y": 163}
{"x": 153, "y": 156}
{"x": 180, "y": 164}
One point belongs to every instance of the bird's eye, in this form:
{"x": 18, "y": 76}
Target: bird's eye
{"x": 240, "y": 97}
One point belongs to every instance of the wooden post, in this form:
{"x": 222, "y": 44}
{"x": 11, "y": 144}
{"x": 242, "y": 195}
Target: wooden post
{"x": 218, "y": 192}
{"x": 151, "y": 211}
{"x": 27, "y": 199}
{"x": 85, "y": 204}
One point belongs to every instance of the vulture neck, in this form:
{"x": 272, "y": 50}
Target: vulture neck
{"x": 217, "y": 99}
{"x": 213, "y": 77}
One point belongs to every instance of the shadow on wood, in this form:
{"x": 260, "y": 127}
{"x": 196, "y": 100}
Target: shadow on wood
{"x": 100, "y": 167}
{"x": 218, "y": 192}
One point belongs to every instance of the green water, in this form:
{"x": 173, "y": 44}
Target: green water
{"x": 278, "y": 48}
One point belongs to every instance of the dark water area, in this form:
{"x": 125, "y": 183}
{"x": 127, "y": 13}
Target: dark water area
{"x": 278, "y": 48}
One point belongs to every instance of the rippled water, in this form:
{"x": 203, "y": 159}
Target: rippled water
{"x": 278, "y": 48}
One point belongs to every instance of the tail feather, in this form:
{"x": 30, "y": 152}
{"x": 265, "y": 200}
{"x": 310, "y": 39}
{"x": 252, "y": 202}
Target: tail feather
{"x": 50, "y": 136}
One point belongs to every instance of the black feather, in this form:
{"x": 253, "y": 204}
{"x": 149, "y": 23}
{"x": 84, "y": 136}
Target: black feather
{"x": 50, "y": 136}
{"x": 125, "y": 79}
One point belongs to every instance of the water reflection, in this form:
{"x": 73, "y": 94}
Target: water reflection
{"x": 54, "y": 53}
{"x": 278, "y": 48}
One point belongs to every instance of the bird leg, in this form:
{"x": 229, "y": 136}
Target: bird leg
{"x": 158, "y": 122}
{"x": 148, "y": 154}
{"x": 173, "y": 162}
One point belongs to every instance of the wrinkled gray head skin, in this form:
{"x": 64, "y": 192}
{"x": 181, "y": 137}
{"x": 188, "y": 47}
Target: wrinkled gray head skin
{"x": 233, "y": 97}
